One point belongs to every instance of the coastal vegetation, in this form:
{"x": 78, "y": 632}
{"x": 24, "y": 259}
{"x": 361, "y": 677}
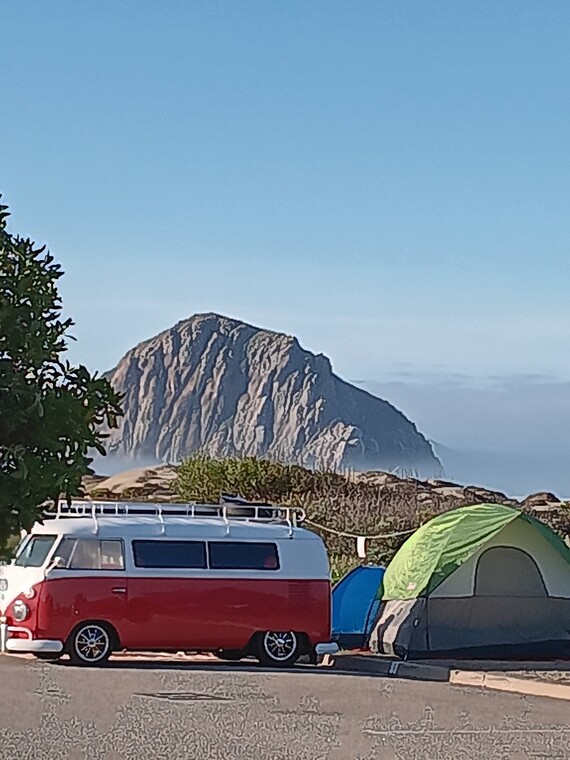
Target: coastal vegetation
{"x": 380, "y": 506}
{"x": 338, "y": 506}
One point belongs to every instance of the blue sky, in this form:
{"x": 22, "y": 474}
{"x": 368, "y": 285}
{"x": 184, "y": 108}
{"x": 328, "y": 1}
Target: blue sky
{"x": 387, "y": 180}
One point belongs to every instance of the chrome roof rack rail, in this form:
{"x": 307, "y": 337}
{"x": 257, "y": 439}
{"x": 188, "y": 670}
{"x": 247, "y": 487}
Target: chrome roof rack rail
{"x": 94, "y": 516}
{"x": 227, "y": 511}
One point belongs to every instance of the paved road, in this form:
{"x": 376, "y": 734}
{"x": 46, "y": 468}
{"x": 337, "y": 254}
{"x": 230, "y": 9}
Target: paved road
{"x": 129, "y": 711}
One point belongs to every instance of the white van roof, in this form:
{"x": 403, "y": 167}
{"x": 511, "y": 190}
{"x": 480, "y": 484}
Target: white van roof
{"x": 131, "y": 527}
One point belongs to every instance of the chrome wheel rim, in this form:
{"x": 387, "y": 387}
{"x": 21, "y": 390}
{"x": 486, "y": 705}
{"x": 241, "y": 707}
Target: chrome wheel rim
{"x": 92, "y": 643}
{"x": 280, "y": 645}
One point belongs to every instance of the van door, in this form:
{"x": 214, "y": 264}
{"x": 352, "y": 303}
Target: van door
{"x": 165, "y": 584}
{"x": 91, "y": 586}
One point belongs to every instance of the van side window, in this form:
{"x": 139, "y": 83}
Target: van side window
{"x": 112, "y": 556}
{"x": 243, "y": 555}
{"x": 170, "y": 554}
{"x": 92, "y": 554}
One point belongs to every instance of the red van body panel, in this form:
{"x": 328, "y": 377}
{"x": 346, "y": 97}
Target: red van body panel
{"x": 64, "y": 602}
{"x": 184, "y": 613}
{"x": 222, "y": 613}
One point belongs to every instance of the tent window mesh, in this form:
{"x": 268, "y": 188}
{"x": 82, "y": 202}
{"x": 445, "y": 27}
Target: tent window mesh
{"x": 505, "y": 571}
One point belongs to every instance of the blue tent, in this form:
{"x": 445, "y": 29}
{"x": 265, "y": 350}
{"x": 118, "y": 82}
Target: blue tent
{"x": 355, "y": 606}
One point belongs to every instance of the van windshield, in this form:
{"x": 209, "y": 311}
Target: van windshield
{"x": 35, "y": 552}
{"x": 22, "y": 542}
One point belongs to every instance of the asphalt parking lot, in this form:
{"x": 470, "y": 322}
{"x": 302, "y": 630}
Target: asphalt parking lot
{"x": 134, "y": 710}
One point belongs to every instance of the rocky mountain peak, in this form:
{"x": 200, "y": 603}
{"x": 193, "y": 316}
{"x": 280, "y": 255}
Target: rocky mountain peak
{"x": 231, "y": 389}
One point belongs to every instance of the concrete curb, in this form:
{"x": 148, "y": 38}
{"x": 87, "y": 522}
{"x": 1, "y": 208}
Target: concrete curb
{"x": 497, "y": 682}
{"x": 379, "y": 666}
{"x": 362, "y": 663}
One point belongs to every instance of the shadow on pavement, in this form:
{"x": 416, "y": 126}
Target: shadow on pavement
{"x": 355, "y": 666}
{"x": 498, "y": 665}
{"x": 220, "y": 667}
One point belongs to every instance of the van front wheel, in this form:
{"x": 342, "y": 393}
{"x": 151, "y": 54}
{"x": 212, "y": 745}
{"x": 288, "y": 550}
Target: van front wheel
{"x": 278, "y": 648}
{"x": 90, "y": 644}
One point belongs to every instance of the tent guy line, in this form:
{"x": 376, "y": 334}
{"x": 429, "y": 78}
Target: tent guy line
{"x": 375, "y": 537}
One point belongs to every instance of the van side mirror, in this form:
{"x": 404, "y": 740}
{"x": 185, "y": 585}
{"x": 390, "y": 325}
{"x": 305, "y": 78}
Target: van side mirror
{"x": 58, "y": 563}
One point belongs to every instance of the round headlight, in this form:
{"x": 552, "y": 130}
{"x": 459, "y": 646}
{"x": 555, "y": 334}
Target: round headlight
{"x": 20, "y": 610}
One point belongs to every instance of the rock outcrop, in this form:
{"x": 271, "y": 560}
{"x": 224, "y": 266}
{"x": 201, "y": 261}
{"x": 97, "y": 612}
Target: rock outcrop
{"x": 230, "y": 389}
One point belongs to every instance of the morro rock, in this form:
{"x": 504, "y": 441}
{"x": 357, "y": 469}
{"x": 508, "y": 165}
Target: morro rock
{"x": 231, "y": 389}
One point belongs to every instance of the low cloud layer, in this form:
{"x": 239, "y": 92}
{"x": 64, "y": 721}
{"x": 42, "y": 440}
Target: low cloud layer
{"x": 510, "y": 432}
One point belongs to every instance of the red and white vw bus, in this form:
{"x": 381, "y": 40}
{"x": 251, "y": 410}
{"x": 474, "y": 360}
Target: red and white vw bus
{"x": 98, "y": 577}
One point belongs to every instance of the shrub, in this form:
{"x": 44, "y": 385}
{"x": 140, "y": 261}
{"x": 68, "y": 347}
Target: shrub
{"x": 333, "y": 503}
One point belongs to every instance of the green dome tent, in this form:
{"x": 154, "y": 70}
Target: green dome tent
{"x": 485, "y": 580}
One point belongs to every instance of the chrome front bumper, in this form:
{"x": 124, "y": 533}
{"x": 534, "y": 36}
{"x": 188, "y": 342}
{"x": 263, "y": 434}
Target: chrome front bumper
{"x": 34, "y": 645}
{"x": 27, "y": 645}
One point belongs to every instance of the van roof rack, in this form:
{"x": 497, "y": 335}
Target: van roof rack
{"x": 230, "y": 508}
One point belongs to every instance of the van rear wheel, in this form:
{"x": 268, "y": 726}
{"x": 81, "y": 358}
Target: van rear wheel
{"x": 278, "y": 648}
{"x": 90, "y": 644}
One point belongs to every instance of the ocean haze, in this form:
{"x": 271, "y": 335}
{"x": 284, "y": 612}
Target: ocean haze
{"x": 506, "y": 432}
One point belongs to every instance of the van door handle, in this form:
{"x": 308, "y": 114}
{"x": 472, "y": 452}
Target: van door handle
{"x": 119, "y": 590}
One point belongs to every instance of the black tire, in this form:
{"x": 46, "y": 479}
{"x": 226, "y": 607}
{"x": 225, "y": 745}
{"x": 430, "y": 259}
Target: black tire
{"x": 232, "y": 655}
{"x": 91, "y": 644}
{"x": 278, "y": 649}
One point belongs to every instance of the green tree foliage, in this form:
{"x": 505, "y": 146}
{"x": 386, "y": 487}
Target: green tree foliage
{"x": 50, "y": 411}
